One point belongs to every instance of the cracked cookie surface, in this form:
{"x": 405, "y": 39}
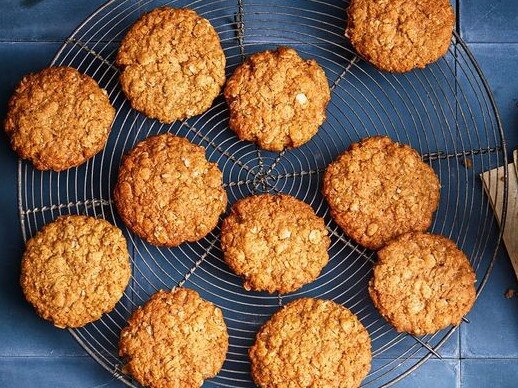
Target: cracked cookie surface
{"x": 422, "y": 283}
{"x": 400, "y": 35}
{"x": 173, "y": 66}
{"x": 75, "y": 269}
{"x": 168, "y": 193}
{"x": 176, "y": 340}
{"x": 311, "y": 343}
{"x": 275, "y": 242}
{"x": 277, "y": 99}
{"x": 378, "y": 190}
{"x": 58, "y": 118}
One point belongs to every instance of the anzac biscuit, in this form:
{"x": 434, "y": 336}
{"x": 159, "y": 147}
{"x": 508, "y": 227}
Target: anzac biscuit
{"x": 173, "y": 66}
{"x": 168, "y": 193}
{"x": 58, "y": 118}
{"x": 75, "y": 269}
{"x": 277, "y": 99}
{"x": 177, "y": 340}
{"x": 379, "y": 189}
{"x": 400, "y": 35}
{"x": 311, "y": 343}
{"x": 275, "y": 242}
{"x": 422, "y": 283}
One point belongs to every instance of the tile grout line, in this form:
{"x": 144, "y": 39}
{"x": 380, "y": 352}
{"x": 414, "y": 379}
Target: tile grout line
{"x": 459, "y": 375}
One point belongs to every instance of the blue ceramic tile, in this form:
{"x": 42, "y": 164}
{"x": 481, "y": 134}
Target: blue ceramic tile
{"x": 494, "y": 319}
{"x": 498, "y": 62}
{"x": 491, "y": 332}
{"x": 433, "y": 373}
{"x": 489, "y": 21}
{"x": 22, "y": 332}
{"x": 47, "y": 20}
{"x": 56, "y": 372}
{"x": 489, "y": 373}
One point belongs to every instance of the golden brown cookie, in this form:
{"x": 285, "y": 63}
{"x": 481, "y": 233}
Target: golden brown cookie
{"x": 400, "y": 35}
{"x": 275, "y": 242}
{"x": 277, "y": 99}
{"x": 311, "y": 343}
{"x": 58, "y": 118}
{"x": 75, "y": 269}
{"x": 173, "y": 66}
{"x": 379, "y": 189}
{"x": 177, "y": 340}
{"x": 422, "y": 283}
{"x": 168, "y": 193}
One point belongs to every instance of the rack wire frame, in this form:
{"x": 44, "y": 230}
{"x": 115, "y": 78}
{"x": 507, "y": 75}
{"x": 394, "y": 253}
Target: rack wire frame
{"x": 446, "y": 111}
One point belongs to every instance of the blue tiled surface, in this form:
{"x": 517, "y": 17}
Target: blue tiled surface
{"x": 489, "y": 21}
{"x": 53, "y": 372}
{"x": 502, "y": 373}
{"x": 493, "y": 331}
{"x": 498, "y": 61}
{"x": 434, "y": 373}
{"x": 33, "y": 353}
{"x": 42, "y": 20}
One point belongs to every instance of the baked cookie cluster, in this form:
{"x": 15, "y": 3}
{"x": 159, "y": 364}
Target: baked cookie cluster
{"x": 379, "y": 192}
{"x": 384, "y": 196}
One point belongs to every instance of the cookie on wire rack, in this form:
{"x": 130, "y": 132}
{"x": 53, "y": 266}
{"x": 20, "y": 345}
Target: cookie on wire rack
{"x": 277, "y": 99}
{"x": 167, "y": 192}
{"x": 378, "y": 190}
{"x": 58, "y": 118}
{"x": 311, "y": 343}
{"x": 176, "y": 340}
{"x": 275, "y": 242}
{"x": 75, "y": 269}
{"x": 422, "y": 283}
{"x": 400, "y": 35}
{"x": 173, "y": 66}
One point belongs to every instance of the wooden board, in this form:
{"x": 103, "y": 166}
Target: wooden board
{"x": 494, "y": 186}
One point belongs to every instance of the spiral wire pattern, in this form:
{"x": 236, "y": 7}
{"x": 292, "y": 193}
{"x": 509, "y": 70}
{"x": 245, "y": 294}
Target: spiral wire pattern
{"x": 445, "y": 111}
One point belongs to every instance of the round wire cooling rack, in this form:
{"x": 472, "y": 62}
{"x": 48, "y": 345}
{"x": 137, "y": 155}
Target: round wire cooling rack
{"x": 445, "y": 111}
